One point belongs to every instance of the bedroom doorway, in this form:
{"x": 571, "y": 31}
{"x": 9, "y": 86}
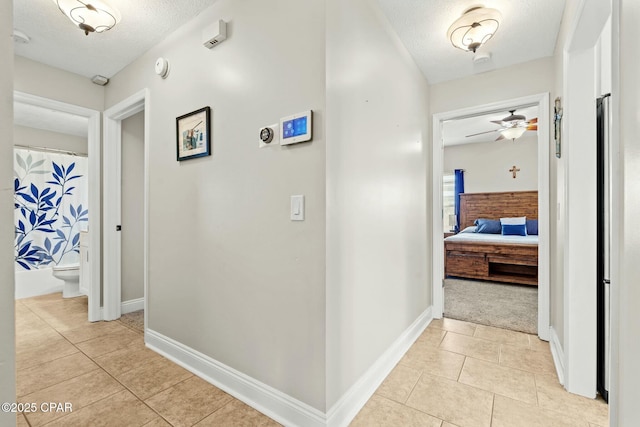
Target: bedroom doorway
{"x": 444, "y": 222}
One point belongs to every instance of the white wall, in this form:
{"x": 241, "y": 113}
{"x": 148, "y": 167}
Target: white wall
{"x": 377, "y": 147}
{"x": 36, "y": 78}
{"x": 625, "y": 393}
{"x": 519, "y": 80}
{"x": 7, "y": 319}
{"x": 486, "y": 164}
{"x": 132, "y": 207}
{"x": 230, "y": 275}
{"x": 44, "y": 138}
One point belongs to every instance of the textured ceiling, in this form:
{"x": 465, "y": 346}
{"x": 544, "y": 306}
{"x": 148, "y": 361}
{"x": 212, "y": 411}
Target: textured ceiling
{"x": 57, "y": 42}
{"x": 528, "y": 31}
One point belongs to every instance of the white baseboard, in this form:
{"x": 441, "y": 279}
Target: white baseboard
{"x": 345, "y": 409}
{"x": 266, "y": 399}
{"x": 33, "y": 283}
{"x": 131, "y": 305}
{"x": 558, "y": 354}
{"x": 280, "y": 406}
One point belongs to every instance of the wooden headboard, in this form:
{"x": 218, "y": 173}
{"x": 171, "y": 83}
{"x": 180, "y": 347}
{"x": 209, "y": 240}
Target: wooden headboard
{"x": 497, "y": 205}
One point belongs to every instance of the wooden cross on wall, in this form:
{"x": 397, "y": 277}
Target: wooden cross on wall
{"x": 514, "y": 171}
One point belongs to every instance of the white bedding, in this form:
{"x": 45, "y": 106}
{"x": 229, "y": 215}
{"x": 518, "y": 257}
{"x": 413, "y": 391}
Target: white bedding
{"x": 492, "y": 238}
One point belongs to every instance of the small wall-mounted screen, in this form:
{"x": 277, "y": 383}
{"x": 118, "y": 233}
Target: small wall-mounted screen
{"x": 295, "y": 127}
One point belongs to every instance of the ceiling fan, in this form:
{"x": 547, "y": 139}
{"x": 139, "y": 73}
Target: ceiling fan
{"x": 512, "y": 126}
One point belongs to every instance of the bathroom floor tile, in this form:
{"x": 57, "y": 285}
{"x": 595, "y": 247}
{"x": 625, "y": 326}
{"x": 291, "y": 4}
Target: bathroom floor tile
{"x": 399, "y": 383}
{"x": 157, "y": 422}
{"x": 53, "y": 372}
{"x": 153, "y": 377}
{"x": 537, "y": 362}
{"x": 110, "y": 342}
{"x": 38, "y": 336}
{"x": 120, "y": 361}
{"x": 386, "y": 413}
{"x": 91, "y": 330}
{"x": 473, "y": 347}
{"x": 513, "y": 413}
{"x": 537, "y": 344}
{"x": 188, "y": 402}
{"x": 32, "y": 356}
{"x": 502, "y": 336}
{"x": 237, "y": 414}
{"x": 551, "y": 395}
{"x": 497, "y": 379}
{"x": 80, "y": 391}
{"x": 21, "y": 421}
{"x": 119, "y": 409}
{"x": 451, "y": 401}
{"x": 453, "y": 325}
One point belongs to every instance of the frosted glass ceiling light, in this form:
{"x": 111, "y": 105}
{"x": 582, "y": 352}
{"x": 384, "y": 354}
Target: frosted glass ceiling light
{"x": 474, "y": 28}
{"x": 514, "y": 132}
{"x": 90, "y": 15}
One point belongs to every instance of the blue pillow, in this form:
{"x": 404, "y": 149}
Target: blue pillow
{"x": 488, "y": 226}
{"x": 514, "y": 226}
{"x": 532, "y": 227}
{"x": 514, "y": 230}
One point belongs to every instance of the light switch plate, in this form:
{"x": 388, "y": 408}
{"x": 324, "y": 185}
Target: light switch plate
{"x": 297, "y": 208}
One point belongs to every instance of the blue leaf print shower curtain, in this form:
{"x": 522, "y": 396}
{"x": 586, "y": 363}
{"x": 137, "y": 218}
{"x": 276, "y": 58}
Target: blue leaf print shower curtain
{"x": 50, "y": 208}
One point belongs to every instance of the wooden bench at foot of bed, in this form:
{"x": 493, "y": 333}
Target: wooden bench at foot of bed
{"x": 498, "y": 262}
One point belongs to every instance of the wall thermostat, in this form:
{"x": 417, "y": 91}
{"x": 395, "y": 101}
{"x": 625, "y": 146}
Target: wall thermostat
{"x": 296, "y": 128}
{"x": 266, "y": 135}
{"x": 162, "y": 67}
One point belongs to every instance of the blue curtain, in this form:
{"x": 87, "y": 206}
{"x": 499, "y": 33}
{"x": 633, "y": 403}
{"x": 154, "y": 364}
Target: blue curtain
{"x": 459, "y": 189}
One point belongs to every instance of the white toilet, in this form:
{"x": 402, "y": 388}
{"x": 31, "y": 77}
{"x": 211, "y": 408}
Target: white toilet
{"x": 70, "y": 274}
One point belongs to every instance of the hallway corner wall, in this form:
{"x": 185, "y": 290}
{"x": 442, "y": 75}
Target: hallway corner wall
{"x": 7, "y": 232}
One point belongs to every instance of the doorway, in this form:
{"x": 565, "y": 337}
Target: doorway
{"x": 92, "y": 117}
{"x": 541, "y": 101}
{"x": 112, "y": 178}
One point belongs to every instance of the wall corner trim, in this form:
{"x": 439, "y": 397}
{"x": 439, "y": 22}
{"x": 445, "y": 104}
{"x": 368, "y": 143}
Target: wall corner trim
{"x": 280, "y": 406}
{"x": 131, "y": 305}
{"x": 345, "y": 409}
{"x": 266, "y": 399}
{"x": 558, "y": 354}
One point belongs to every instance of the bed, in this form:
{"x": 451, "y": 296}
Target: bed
{"x": 494, "y": 257}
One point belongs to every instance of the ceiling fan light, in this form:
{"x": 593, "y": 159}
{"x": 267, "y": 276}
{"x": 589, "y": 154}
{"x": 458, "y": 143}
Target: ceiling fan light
{"x": 514, "y": 132}
{"x": 474, "y": 28}
{"x": 90, "y": 15}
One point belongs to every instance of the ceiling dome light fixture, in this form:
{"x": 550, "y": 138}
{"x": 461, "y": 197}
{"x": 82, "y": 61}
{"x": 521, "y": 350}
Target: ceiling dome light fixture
{"x": 90, "y": 15}
{"x": 474, "y": 28}
{"x": 513, "y": 133}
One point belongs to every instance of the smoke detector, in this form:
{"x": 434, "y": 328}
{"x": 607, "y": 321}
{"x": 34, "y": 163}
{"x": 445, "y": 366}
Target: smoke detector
{"x": 99, "y": 80}
{"x": 20, "y": 37}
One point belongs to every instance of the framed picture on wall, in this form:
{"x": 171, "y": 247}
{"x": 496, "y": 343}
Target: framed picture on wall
{"x": 193, "y": 136}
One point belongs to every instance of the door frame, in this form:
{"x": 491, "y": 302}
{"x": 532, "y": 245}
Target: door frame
{"x": 93, "y": 151}
{"x": 112, "y": 184}
{"x": 542, "y": 102}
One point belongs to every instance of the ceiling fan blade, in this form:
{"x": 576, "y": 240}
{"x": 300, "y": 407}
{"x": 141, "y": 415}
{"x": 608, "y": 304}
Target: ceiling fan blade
{"x": 482, "y": 133}
{"x": 500, "y": 137}
{"x": 534, "y": 120}
{"x": 532, "y": 127}
{"x": 498, "y": 122}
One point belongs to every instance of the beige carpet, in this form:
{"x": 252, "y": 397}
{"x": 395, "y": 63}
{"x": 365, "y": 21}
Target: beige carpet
{"x": 501, "y": 305}
{"x": 134, "y": 320}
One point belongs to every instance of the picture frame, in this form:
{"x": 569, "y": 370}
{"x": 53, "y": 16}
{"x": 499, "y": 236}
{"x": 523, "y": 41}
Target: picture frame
{"x": 193, "y": 134}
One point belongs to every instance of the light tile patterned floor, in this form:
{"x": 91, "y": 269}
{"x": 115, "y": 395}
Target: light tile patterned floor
{"x": 108, "y": 374}
{"x": 455, "y": 374}
{"x": 467, "y": 375}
